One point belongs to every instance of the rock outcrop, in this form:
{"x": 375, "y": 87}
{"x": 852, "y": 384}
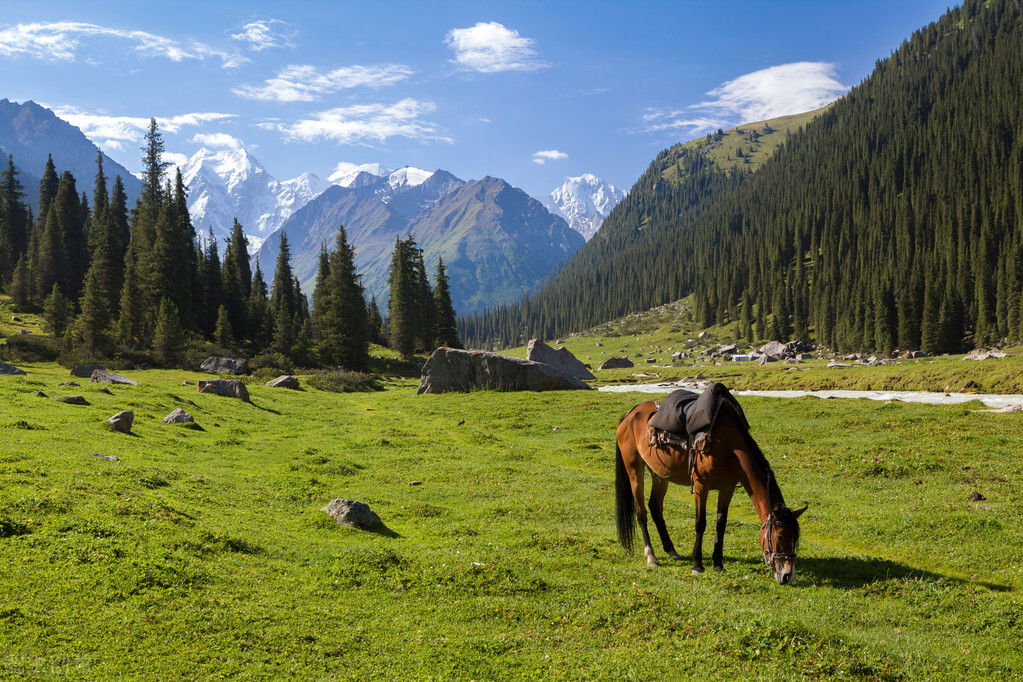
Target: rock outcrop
{"x": 85, "y": 371}
{"x": 229, "y": 388}
{"x": 353, "y": 513}
{"x": 178, "y": 416}
{"x": 122, "y": 421}
{"x": 225, "y": 365}
{"x": 101, "y": 376}
{"x": 558, "y": 358}
{"x": 10, "y": 369}
{"x": 617, "y": 363}
{"x": 284, "y": 381}
{"x": 449, "y": 369}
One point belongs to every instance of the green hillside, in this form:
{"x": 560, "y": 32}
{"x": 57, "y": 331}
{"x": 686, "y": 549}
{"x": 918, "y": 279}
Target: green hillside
{"x": 892, "y": 219}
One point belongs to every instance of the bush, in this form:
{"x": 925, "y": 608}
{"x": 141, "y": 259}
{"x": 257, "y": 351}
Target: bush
{"x": 344, "y": 381}
{"x": 277, "y": 362}
{"x": 29, "y": 348}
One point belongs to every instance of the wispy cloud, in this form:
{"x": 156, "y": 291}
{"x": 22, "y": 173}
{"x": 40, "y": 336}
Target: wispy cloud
{"x": 768, "y": 93}
{"x": 546, "y": 155}
{"x": 491, "y": 48}
{"x": 114, "y": 132}
{"x": 368, "y": 123}
{"x": 61, "y": 41}
{"x": 217, "y": 140}
{"x": 304, "y": 83}
{"x": 266, "y": 33}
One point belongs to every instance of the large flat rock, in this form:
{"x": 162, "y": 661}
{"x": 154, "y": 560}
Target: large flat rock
{"x": 558, "y": 358}
{"x": 449, "y": 369}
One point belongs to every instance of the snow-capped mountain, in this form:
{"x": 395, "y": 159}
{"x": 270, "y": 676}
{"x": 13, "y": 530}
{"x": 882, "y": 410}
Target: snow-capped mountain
{"x": 584, "y": 202}
{"x": 232, "y": 183}
{"x": 346, "y": 174}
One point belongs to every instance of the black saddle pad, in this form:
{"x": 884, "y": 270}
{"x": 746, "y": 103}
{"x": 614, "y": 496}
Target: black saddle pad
{"x": 684, "y": 412}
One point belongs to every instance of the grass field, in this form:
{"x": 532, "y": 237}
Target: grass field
{"x": 204, "y": 553}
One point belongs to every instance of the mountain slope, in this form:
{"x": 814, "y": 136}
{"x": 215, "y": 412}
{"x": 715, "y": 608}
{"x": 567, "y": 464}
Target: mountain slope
{"x": 30, "y": 133}
{"x": 893, "y": 218}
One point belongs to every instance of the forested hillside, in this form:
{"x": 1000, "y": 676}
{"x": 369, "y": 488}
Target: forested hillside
{"x": 892, "y": 220}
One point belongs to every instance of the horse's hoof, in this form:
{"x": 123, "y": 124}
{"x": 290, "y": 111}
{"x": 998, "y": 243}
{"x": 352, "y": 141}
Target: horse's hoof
{"x": 719, "y": 569}
{"x": 675, "y": 556}
{"x": 697, "y": 571}
{"x": 651, "y": 562}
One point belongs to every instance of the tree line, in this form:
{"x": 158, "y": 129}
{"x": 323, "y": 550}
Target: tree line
{"x": 892, "y": 220}
{"x": 112, "y": 281}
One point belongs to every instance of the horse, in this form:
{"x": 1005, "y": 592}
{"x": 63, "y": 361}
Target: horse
{"x": 733, "y": 458}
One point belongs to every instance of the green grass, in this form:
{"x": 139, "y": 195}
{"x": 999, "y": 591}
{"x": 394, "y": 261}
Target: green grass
{"x": 204, "y": 553}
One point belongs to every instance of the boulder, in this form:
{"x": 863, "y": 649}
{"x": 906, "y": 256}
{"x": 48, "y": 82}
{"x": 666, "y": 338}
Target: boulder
{"x": 229, "y": 388}
{"x": 617, "y": 363}
{"x": 225, "y": 365}
{"x": 731, "y": 349}
{"x": 10, "y": 369}
{"x": 122, "y": 421}
{"x": 23, "y": 332}
{"x": 353, "y": 513}
{"x": 101, "y": 376}
{"x": 85, "y": 371}
{"x": 75, "y": 400}
{"x": 178, "y": 416}
{"x": 559, "y": 358}
{"x": 449, "y": 369}
{"x": 774, "y": 348}
{"x": 283, "y": 381}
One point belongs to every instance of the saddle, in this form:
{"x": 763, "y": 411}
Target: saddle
{"x": 684, "y": 420}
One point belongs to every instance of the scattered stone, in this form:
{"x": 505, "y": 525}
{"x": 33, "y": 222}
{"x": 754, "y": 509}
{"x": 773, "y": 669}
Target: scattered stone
{"x": 353, "y": 513}
{"x": 178, "y": 416}
{"x": 69, "y": 383}
{"x": 23, "y": 332}
{"x": 85, "y": 371}
{"x": 766, "y": 358}
{"x": 730, "y": 349}
{"x": 41, "y": 394}
{"x": 225, "y": 365}
{"x": 101, "y": 376}
{"x": 558, "y": 358}
{"x": 982, "y": 354}
{"x": 122, "y": 421}
{"x": 188, "y": 383}
{"x": 75, "y": 400}
{"x": 774, "y": 348}
{"x": 835, "y": 363}
{"x": 449, "y": 369}
{"x": 415, "y": 483}
{"x": 229, "y": 388}
{"x": 104, "y": 389}
{"x": 977, "y": 497}
{"x": 109, "y": 458}
{"x": 10, "y": 369}
{"x": 15, "y": 318}
{"x": 913, "y": 354}
{"x": 284, "y": 381}
{"x": 617, "y": 363}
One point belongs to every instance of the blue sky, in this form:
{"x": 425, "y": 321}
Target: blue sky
{"x": 532, "y": 92}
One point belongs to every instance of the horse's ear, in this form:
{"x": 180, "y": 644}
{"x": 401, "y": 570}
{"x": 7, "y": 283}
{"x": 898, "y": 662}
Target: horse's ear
{"x": 797, "y": 512}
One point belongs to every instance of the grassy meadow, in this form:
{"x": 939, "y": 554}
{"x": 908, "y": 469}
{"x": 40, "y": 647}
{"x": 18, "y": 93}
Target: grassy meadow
{"x": 203, "y": 553}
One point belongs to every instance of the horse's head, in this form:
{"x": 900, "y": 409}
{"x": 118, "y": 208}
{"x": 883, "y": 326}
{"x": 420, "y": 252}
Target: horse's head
{"x": 779, "y": 537}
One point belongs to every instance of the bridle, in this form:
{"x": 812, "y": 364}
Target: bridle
{"x": 770, "y": 523}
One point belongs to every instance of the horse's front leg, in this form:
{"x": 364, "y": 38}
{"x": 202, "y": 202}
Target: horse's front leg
{"x": 636, "y": 478}
{"x": 658, "y": 489}
{"x": 724, "y": 499}
{"x": 701, "y": 525}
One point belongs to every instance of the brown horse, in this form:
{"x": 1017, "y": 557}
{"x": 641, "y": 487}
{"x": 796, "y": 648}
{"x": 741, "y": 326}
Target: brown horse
{"x": 733, "y": 458}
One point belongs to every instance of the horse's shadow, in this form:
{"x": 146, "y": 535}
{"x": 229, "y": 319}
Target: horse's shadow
{"x": 857, "y": 572}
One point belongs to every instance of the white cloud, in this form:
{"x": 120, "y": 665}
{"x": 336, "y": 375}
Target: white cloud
{"x": 546, "y": 155}
{"x": 61, "y": 41}
{"x": 266, "y": 33}
{"x": 118, "y": 132}
{"x": 491, "y": 48}
{"x": 364, "y": 123}
{"x": 217, "y": 141}
{"x": 303, "y": 83}
{"x": 768, "y": 93}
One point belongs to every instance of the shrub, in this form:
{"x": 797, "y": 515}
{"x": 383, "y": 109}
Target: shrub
{"x": 344, "y": 381}
{"x": 29, "y": 348}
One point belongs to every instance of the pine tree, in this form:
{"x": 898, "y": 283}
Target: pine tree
{"x": 14, "y": 221}
{"x": 285, "y": 306}
{"x": 91, "y": 327}
{"x": 445, "y": 327}
{"x": 223, "y": 335}
{"x": 168, "y": 336}
{"x": 377, "y": 334}
{"x": 424, "y": 303}
{"x": 131, "y": 323}
{"x": 237, "y": 280}
{"x": 22, "y": 285}
{"x": 57, "y": 312}
{"x": 260, "y": 319}
{"x": 47, "y": 189}
{"x": 401, "y": 311}
{"x": 343, "y": 321}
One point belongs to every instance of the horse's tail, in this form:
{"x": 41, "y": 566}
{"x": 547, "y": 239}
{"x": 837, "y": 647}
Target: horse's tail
{"x": 625, "y": 504}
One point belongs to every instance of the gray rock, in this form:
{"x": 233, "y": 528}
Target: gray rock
{"x": 104, "y": 389}
{"x": 41, "y": 394}
{"x": 75, "y": 400}
{"x": 23, "y": 332}
{"x": 775, "y": 348}
{"x": 558, "y": 358}
{"x": 178, "y": 416}
{"x": 730, "y": 348}
{"x": 101, "y": 376}
{"x": 69, "y": 383}
{"x": 10, "y": 369}
{"x": 225, "y": 365}
{"x": 617, "y": 363}
{"x": 109, "y": 458}
{"x": 229, "y": 388}
{"x": 353, "y": 513}
{"x": 122, "y": 421}
{"x": 85, "y": 371}
{"x": 449, "y": 369}
{"x": 283, "y": 381}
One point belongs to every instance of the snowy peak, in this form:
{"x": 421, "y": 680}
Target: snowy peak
{"x": 407, "y": 177}
{"x": 345, "y": 174}
{"x": 584, "y": 202}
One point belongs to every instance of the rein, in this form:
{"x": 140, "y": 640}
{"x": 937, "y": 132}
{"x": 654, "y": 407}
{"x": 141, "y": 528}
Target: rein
{"x": 769, "y": 524}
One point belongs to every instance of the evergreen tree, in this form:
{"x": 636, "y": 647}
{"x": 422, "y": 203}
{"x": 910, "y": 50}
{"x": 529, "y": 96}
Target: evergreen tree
{"x": 168, "y": 336}
{"x": 285, "y": 303}
{"x": 91, "y": 327}
{"x": 14, "y": 221}
{"x": 237, "y": 280}
{"x": 223, "y": 334}
{"x": 260, "y": 319}
{"x": 131, "y": 323}
{"x": 445, "y": 327}
{"x": 401, "y": 306}
{"x": 22, "y": 285}
{"x": 377, "y": 333}
{"x": 343, "y": 321}
{"x": 47, "y": 189}
{"x": 57, "y": 312}
{"x": 425, "y": 316}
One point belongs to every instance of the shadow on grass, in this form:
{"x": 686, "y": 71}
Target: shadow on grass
{"x": 383, "y": 530}
{"x": 853, "y": 572}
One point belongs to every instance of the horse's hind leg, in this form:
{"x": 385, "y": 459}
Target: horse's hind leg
{"x": 657, "y": 491}
{"x": 724, "y": 499}
{"x": 636, "y": 478}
